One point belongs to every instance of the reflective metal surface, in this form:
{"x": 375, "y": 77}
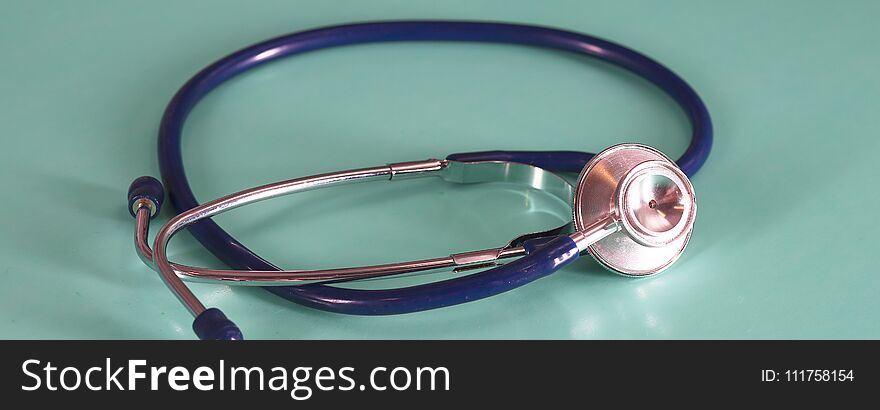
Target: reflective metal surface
{"x": 451, "y": 171}
{"x": 656, "y": 203}
{"x": 649, "y": 198}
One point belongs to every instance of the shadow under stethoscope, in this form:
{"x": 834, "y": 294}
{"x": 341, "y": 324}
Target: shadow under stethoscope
{"x": 528, "y": 312}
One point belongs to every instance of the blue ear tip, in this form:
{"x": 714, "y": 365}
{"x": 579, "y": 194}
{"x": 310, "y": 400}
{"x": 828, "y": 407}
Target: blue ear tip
{"x": 149, "y": 188}
{"x": 212, "y": 324}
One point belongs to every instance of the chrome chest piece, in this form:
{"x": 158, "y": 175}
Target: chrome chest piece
{"x": 642, "y": 202}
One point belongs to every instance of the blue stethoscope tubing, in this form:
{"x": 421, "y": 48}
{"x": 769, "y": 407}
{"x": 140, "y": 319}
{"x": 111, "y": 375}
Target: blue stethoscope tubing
{"x": 541, "y": 260}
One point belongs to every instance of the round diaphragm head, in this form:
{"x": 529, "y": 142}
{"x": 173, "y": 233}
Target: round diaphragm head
{"x": 649, "y": 196}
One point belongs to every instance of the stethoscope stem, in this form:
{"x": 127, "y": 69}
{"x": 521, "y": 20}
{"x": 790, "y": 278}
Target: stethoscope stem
{"x": 177, "y": 287}
{"x": 145, "y": 199}
{"x": 596, "y": 232}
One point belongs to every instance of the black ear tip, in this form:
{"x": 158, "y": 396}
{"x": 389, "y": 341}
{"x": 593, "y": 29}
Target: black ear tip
{"x": 212, "y": 324}
{"x": 146, "y": 188}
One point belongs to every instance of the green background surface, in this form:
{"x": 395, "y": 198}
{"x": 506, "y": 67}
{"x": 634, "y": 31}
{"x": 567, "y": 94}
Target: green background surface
{"x": 785, "y": 244}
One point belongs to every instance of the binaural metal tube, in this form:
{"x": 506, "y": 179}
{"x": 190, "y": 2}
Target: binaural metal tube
{"x": 172, "y": 273}
{"x": 451, "y": 171}
{"x": 459, "y": 261}
{"x": 176, "y": 286}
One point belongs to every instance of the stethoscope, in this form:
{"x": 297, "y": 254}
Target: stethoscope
{"x": 633, "y": 207}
